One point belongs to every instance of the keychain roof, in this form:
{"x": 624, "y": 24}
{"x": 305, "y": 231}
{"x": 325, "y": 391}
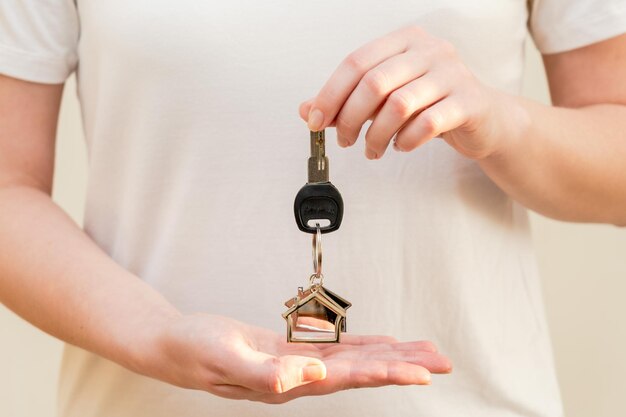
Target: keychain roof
{"x": 336, "y": 303}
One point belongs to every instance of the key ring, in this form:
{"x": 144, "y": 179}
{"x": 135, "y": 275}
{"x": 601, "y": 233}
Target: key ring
{"x": 313, "y": 285}
{"x": 317, "y": 251}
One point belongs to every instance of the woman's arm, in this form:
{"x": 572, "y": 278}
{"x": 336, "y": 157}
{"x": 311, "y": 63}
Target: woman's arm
{"x": 53, "y": 275}
{"x": 565, "y": 162}
{"x": 570, "y": 161}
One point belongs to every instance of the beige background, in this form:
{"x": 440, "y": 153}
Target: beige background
{"x": 584, "y": 280}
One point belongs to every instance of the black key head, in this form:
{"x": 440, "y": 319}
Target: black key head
{"x": 318, "y": 201}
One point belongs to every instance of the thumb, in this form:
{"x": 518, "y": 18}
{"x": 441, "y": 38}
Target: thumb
{"x": 292, "y": 371}
{"x": 304, "y": 109}
{"x": 271, "y": 374}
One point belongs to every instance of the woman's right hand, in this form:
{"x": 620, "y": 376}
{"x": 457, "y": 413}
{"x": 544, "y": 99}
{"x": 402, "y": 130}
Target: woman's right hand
{"x": 239, "y": 361}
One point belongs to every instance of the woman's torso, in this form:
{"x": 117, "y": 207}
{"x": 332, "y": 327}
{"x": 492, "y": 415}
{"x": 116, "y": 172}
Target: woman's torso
{"x": 196, "y": 152}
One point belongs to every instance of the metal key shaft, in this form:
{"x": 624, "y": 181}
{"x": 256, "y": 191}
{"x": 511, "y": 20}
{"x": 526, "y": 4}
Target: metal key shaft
{"x": 318, "y": 161}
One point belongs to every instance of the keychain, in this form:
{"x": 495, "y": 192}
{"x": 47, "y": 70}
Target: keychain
{"x": 317, "y": 314}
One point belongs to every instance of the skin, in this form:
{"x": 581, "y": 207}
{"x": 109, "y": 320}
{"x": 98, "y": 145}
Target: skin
{"x": 54, "y": 276}
{"x": 564, "y": 161}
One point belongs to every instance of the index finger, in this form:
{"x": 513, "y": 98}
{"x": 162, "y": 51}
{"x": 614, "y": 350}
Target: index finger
{"x": 345, "y": 78}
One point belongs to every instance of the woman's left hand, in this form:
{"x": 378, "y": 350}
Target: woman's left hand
{"x": 414, "y": 86}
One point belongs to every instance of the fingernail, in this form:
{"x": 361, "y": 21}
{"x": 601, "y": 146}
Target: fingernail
{"x": 316, "y": 119}
{"x": 343, "y": 142}
{"x": 426, "y": 379}
{"x": 370, "y": 154}
{"x": 313, "y": 373}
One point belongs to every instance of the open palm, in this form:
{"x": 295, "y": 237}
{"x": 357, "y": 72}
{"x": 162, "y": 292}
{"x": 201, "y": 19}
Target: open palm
{"x": 235, "y": 360}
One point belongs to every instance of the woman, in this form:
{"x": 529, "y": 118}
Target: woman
{"x": 190, "y": 248}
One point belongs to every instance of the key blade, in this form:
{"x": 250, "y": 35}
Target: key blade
{"x": 317, "y": 170}
{"x": 318, "y": 162}
{"x": 318, "y": 144}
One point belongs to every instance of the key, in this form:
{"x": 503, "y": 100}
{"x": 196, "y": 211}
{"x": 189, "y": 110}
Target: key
{"x": 318, "y": 199}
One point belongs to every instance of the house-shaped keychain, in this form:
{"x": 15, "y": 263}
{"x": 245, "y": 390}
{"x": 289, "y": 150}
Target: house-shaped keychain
{"x": 316, "y": 315}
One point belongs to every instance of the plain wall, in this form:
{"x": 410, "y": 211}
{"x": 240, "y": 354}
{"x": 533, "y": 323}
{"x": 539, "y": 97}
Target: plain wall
{"x": 584, "y": 279}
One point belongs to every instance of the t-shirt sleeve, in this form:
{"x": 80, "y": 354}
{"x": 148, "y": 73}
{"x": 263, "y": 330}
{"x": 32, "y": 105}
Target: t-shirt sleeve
{"x": 562, "y": 25}
{"x": 38, "y": 39}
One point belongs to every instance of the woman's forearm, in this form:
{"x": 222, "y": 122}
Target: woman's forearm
{"x": 565, "y": 163}
{"x": 54, "y": 276}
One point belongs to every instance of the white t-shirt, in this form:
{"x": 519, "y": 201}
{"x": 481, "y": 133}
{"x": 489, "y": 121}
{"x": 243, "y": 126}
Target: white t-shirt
{"x": 196, "y": 152}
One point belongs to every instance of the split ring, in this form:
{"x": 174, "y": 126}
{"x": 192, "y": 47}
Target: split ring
{"x": 317, "y": 251}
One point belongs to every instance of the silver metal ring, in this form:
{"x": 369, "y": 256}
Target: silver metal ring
{"x": 315, "y": 285}
{"x": 317, "y": 251}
